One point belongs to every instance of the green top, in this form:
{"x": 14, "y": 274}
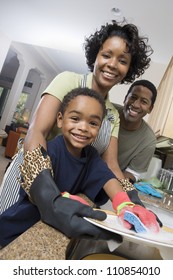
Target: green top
{"x": 135, "y": 148}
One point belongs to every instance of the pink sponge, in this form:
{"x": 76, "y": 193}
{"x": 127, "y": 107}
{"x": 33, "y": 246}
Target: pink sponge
{"x": 135, "y": 221}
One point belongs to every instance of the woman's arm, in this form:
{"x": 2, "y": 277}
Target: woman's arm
{"x": 42, "y": 122}
{"x": 110, "y": 156}
{"x": 129, "y": 175}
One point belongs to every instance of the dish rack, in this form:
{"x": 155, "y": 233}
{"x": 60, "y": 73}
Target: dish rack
{"x": 166, "y": 178}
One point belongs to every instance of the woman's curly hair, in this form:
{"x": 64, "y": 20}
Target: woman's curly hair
{"x": 137, "y": 47}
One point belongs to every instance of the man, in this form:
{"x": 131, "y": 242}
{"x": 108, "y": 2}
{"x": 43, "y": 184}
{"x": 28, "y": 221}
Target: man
{"x": 136, "y": 140}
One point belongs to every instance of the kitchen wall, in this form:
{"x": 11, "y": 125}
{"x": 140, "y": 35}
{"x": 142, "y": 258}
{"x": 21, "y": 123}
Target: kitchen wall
{"x": 5, "y": 44}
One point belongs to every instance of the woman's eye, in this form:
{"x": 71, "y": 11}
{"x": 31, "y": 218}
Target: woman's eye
{"x": 122, "y": 61}
{"x": 105, "y": 55}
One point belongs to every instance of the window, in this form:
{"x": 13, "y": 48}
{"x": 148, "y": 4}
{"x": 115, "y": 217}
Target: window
{"x": 20, "y": 108}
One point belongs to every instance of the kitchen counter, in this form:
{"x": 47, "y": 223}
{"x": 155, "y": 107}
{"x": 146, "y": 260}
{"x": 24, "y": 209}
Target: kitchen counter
{"x": 165, "y": 203}
{"x": 42, "y": 242}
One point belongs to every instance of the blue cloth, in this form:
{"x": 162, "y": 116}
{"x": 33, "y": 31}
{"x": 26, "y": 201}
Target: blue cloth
{"x": 147, "y": 188}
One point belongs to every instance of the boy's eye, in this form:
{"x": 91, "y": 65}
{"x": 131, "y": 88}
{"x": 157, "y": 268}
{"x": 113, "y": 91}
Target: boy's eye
{"x": 75, "y": 118}
{"x": 94, "y": 123}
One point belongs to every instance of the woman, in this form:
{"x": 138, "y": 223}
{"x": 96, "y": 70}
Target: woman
{"x": 115, "y": 54}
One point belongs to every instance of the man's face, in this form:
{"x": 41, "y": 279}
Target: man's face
{"x": 137, "y": 104}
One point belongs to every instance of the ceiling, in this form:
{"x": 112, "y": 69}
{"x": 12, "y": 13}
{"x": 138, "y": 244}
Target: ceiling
{"x": 57, "y": 29}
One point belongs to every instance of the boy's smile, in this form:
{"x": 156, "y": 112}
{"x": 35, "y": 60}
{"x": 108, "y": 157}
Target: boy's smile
{"x": 80, "y": 123}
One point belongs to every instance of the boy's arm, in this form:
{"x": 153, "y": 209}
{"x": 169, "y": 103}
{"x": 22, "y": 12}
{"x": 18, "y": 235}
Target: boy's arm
{"x": 112, "y": 187}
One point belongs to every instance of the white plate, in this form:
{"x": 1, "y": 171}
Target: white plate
{"x": 113, "y": 224}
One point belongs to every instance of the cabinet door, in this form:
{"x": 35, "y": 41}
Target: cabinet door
{"x": 160, "y": 118}
{"x": 168, "y": 128}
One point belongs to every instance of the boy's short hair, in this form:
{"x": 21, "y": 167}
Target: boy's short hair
{"x": 85, "y": 92}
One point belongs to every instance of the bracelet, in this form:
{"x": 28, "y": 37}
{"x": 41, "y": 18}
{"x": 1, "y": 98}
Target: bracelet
{"x": 126, "y": 185}
{"x": 122, "y": 205}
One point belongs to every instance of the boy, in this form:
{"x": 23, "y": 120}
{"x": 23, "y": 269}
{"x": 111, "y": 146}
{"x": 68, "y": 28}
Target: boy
{"x": 77, "y": 167}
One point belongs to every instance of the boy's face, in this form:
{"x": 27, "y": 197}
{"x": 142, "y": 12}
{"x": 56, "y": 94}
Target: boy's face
{"x": 80, "y": 123}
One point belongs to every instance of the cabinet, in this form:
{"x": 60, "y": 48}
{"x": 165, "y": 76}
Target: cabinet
{"x": 161, "y": 118}
{"x": 13, "y": 138}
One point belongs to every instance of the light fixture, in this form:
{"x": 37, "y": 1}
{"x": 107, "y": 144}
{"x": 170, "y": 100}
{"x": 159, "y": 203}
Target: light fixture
{"x": 116, "y": 12}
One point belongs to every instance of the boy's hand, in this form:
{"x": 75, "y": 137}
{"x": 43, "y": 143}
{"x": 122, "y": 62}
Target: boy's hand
{"x": 122, "y": 203}
{"x": 74, "y": 197}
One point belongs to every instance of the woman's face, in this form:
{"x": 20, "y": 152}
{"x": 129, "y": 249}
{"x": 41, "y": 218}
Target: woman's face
{"x": 111, "y": 65}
